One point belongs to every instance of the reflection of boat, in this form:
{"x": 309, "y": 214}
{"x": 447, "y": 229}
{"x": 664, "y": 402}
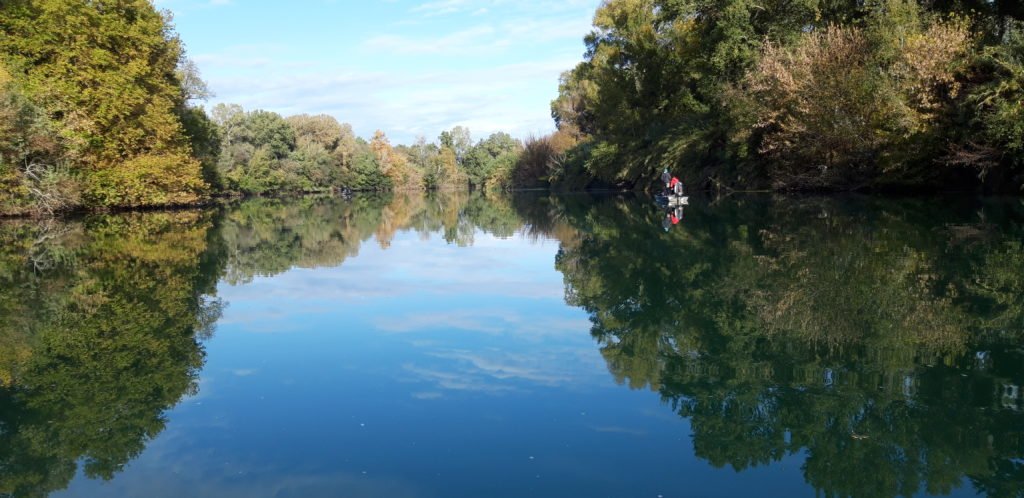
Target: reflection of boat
{"x": 672, "y": 200}
{"x": 673, "y": 212}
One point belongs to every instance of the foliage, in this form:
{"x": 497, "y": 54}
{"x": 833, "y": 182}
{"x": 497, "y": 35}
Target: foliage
{"x": 459, "y": 140}
{"x": 805, "y": 94}
{"x": 262, "y": 152}
{"x": 995, "y": 108}
{"x": 395, "y": 164}
{"x": 204, "y": 138}
{"x": 543, "y": 161}
{"x": 443, "y": 171}
{"x": 29, "y": 150}
{"x": 483, "y": 159}
{"x": 365, "y": 173}
{"x": 103, "y": 81}
{"x": 836, "y": 112}
{"x": 650, "y": 92}
{"x": 150, "y": 180}
{"x": 103, "y": 337}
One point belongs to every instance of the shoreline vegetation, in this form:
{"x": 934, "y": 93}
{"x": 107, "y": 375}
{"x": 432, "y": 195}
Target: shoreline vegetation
{"x": 100, "y": 109}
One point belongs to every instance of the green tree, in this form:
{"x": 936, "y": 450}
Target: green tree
{"x": 496, "y": 151}
{"x": 739, "y": 93}
{"x": 106, "y": 74}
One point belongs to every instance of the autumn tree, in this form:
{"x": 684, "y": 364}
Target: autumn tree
{"x": 105, "y": 73}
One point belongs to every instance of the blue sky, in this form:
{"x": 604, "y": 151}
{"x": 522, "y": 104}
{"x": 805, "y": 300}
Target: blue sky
{"x": 408, "y": 67}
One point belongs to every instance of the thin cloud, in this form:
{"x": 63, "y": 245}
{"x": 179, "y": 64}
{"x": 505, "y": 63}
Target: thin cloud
{"x": 441, "y": 7}
{"x": 474, "y": 40}
{"x": 489, "y": 65}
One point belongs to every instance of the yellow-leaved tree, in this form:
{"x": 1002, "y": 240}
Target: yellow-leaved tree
{"x": 105, "y": 74}
{"x": 394, "y": 164}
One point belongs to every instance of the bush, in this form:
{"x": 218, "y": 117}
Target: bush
{"x": 146, "y": 181}
{"x": 14, "y": 198}
{"x": 542, "y": 159}
{"x": 51, "y": 189}
{"x": 365, "y": 174}
{"x": 996, "y": 109}
{"x": 848, "y": 107}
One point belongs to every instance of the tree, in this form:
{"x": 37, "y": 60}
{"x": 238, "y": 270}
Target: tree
{"x": 270, "y": 130}
{"x": 837, "y": 111}
{"x": 322, "y": 130}
{"x": 487, "y": 155}
{"x": 443, "y": 171}
{"x": 461, "y": 143}
{"x": 672, "y": 83}
{"x": 106, "y": 75}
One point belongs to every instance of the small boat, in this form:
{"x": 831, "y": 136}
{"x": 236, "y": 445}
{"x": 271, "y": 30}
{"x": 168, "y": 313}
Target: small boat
{"x": 672, "y": 200}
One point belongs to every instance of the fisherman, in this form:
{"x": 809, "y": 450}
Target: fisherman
{"x": 666, "y": 178}
{"x": 675, "y": 186}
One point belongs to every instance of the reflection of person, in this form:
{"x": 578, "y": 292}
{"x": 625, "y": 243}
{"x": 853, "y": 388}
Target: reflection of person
{"x": 672, "y": 218}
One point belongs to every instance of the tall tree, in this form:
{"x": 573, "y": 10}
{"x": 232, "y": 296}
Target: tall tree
{"x": 106, "y": 73}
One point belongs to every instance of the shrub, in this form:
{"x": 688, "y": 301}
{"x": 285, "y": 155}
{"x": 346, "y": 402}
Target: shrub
{"x": 542, "y": 159}
{"x": 847, "y": 107}
{"x": 996, "y": 108}
{"x": 51, "y": 189}
{"x": 148, "y": 180}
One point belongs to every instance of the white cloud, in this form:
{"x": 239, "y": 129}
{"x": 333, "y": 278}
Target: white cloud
{"x": 440, "y": 7}
{"x": 485, "y": 321}
{"x": 491, "y": 65}
{"x": 407, "y": 104}
{"x": 475, "y": 40}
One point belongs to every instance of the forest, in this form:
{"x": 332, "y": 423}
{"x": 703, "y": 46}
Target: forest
{"x": 100, "y": 108}
{"x": 798, "y": 95}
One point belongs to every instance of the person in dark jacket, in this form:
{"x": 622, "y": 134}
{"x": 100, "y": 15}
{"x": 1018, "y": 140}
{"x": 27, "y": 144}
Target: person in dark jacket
{"x": 666, "y": 178}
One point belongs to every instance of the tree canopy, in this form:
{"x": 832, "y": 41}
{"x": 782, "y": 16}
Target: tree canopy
{"x": 808, "y": 94}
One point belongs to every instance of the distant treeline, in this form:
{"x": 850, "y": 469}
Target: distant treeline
{"x": 797, "y": 94}
{"x": 261, "y": 152}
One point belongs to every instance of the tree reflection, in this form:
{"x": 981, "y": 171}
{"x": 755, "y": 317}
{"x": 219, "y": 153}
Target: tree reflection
{"x": 875, "y": 338}
{"x": 101, "y": 330}
{"x": 880, "y": 341}
{"x": 103, "y": 318}
{"x": 266, "y": 237}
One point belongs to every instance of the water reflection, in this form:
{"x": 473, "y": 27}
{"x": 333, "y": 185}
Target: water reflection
{"x": 880, "y": 342}
{"x": 101, "y": 332}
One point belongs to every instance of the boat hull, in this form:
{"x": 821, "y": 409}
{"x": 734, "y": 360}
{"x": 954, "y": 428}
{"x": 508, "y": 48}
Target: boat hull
{"x": 673, "y": 200}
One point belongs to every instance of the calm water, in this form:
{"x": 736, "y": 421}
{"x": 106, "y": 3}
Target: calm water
{"x": 566, "y": 346}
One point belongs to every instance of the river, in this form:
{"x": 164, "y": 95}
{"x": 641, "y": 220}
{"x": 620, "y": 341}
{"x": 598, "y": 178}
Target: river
{"x": 463, "y": 345}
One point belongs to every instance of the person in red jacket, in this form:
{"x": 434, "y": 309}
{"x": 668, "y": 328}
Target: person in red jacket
{"x": 676, "y": 186}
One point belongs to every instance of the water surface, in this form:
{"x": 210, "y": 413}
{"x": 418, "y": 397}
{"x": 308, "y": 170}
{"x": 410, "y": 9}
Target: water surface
{"x": 529, "y": 345}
